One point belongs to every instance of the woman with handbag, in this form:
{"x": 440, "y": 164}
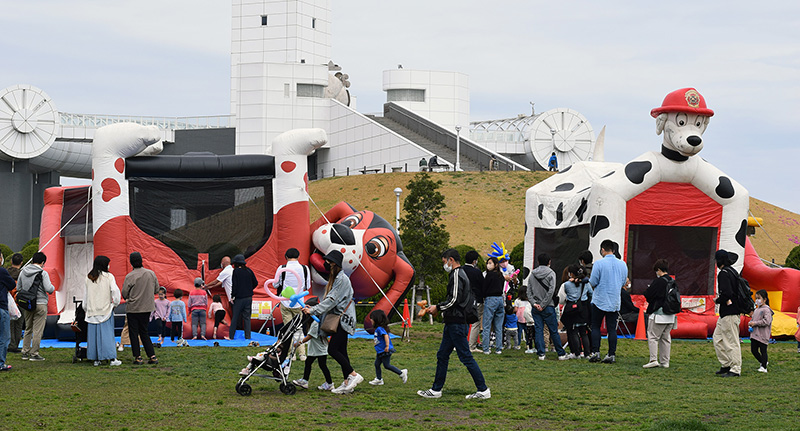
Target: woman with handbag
{"x": 659, "y": 324}
{"x": 337, "y": 315}
{"x": 100, "y": 298}
{"x": 575, "y": 315}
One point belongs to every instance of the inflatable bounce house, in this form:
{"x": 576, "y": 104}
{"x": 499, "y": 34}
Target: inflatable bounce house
{"x": 670, "y": 204}
{"x": 184, "y": 213}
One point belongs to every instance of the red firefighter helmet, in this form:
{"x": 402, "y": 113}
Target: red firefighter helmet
{"x": 684, "y": 100}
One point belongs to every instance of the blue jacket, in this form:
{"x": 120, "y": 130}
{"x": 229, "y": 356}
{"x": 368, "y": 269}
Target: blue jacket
{"x": 608, "y": 276}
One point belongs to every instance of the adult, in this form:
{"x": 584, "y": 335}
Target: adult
{"x": 585, "y": 261}
{"x": 6, "y": 285}
{"x": 139, "y": 290}
{"x": 476, "y": 284}
{"x": 198, "y": 304}
{"x": 16, "y": 324}
{"x": 552, "y": 164}
{"x": 33, "y": 276}
{"x": 338, "y": 300}
{"x": 454, "y": 334}
{"x": 627, "y": 309}
{"x": 101, "y": 295}
{"x": 243, "y": 281}
{"x": 423, "y": 165}
{"x": 433, "y": 162}
{"x": 659, "y": 323}
{"x": 608, "y": 275}
{"x": 726, "y": 334}
{"x": 541, "y": 286}
{"x": 288, "y": 280}
{"x": 224, "y": 279}
{"x": 577, "y": 290}
{"x": 494, "y": 313}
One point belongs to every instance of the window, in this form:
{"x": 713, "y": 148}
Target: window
{"x": 263, "y": 20}
{"x": 313, "y": 23}
{"x": 405, "y": 95}
{"x": 310, "y": 90}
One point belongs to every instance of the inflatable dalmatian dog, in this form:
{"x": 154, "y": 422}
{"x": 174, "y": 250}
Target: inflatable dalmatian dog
{"x": 682, "y": 118}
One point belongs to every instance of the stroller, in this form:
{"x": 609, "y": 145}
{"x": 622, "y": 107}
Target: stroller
{"x": 275, "y": 362}
{"x": 80, "y": 327}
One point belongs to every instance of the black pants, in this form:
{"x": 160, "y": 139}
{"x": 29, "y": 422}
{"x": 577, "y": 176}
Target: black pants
{"x": 578, "y": 338}
{"x": 241, "y": 312}
{"x": 137, "y": 325}
{"x": 323, "y": 365}
{"x": 611, "y": 325}
{"x": 385, "y": 360}
{"x": 176, "y": 330}
{"x": 759, "y": 350}
{"x": 162, "y": 327}
{"x": 218, "y": 316}
{"x": 338, "y": 351}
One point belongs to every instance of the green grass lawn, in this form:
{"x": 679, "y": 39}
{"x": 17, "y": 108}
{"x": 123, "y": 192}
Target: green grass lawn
{"x": 193, "y": 388}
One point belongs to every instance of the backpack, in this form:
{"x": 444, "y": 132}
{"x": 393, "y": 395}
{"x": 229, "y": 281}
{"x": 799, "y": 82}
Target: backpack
{"x": 26, "y": 299}
{"x": 283, "y": 277}
{"x": 742, "y": 295}
{"x": 672, "y": 301}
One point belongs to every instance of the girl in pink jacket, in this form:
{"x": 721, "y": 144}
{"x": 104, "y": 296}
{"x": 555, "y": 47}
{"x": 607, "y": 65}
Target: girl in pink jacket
{"x": 761, "y": 322}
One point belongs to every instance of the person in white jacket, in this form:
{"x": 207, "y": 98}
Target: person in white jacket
{"x": 100, "y": 298}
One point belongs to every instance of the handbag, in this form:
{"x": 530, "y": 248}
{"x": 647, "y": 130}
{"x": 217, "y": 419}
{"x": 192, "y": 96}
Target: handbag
{"x": 573, "y": 309}
{"x": 13, "y": 310}
{"x": 330, "y": 324}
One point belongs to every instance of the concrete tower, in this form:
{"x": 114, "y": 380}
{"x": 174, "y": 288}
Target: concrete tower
{"x": 280, "y": 51}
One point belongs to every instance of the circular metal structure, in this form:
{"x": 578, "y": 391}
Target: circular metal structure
{"x": 562, "y": 131}
{"x": 28, "y": 122}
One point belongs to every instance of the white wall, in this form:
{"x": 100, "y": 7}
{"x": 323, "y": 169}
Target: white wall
{"x": 446, "y": 94}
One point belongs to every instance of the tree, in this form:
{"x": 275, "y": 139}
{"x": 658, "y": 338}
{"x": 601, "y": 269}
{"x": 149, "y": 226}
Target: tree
{"x": 424, "y": 237}
{"x": 793, "y": 259}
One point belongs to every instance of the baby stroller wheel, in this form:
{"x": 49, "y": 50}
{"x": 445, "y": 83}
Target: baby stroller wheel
{"x": 243, "y": 389}
{"x": 288, "y": 389}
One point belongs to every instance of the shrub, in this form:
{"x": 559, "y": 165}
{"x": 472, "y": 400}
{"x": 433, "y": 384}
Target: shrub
{"x": 517, "y": 255}
{"x": 32, "y": 241}
{"x": 7, "y": 252}
{"x": 28, "y": 251}
{"x": 463, "y": 249}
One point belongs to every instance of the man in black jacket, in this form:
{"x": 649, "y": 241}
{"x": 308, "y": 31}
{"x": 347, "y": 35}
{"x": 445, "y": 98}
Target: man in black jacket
{"x": 476, "y": 284}
{"x": 726, "y": 334}
{"x": 455, "y": 330}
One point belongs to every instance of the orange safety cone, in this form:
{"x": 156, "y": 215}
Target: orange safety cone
{"x": 641, "y": 332}
{"x": 406, "y": 314}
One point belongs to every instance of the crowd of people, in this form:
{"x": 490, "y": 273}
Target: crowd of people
{"x": 507, "y": 314}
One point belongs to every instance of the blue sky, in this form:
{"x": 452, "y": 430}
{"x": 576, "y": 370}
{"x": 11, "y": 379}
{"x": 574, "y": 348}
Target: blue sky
{"x": 611, "y": 61}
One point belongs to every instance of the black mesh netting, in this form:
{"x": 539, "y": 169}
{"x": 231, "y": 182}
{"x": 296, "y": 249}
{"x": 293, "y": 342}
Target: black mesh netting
{"x": 688, "y": 250}
{"x": 221, "y": 217}
{"x": 563, "y": 246}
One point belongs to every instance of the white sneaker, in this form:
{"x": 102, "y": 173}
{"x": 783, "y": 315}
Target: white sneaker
{"x": 430, "y": 393}
{"x": 516, "y": 347}
{"x": 571, "y": 356}
{"x": 651, "y": 364}
{"x": 480, "y": 395}
{"x": 325, "y": 386}
{"x": 542, "y": 357}
{"x": 498, "y": 352}
{"x": 119, "y": 347}
{"x": 96, "y": 363}
{"x": 762, "y": 370}
{"x": 115, "y": 363}
{"x": 303, "y": 383}
{"x": 404, "y": 375}
{"x": 376, "y": 382}
{"x": 664, "y": 365}
{"x": 352, "y": 381}
{"x": 341, "y": 388}
{"x": 245, "y": 371}
{"x": 529, "y": 351}
{"x": 563, "y": 358}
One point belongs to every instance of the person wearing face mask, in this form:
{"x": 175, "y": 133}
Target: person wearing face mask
{"x": 493, "y": 307}
{"x": 659, "y": 323}
{"x": 726, "y": 333}
{"x": 761, "y": 324}
{"x": 454, "y": 334}
{"x": 6, "y": 284}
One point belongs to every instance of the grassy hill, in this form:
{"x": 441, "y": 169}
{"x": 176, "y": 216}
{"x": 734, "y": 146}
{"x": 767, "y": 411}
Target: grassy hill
{"x": 487, "y": 207}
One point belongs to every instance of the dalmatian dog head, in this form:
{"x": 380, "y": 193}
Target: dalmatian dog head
{"x": 682, "y": 117}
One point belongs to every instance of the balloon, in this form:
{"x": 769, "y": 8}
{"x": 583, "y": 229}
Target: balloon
{"x": 288, "y": 291}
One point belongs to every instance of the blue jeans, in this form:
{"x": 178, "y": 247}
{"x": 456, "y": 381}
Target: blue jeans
{"x": 611, "y": 325}
{"x": 241, "y": 311}
{"x": 385, "y": 360}
{"x": 540, "y": 318}
{"x": 5, "y": 335}
{"x": 494, "y": 315}
{"x": 455, "y": 335}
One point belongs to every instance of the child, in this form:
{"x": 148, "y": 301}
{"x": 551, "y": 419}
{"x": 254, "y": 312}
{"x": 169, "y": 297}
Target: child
{"x": 216, "y": 311}
{"x": 177, "y": 315}
{"x": 161, "y": 313}
{"x": 317, "y": 350}
{"x": 761, "y": 322}
{"x": 383, "y": 348}
{"x": 511, "y": 323}
{"x": 524, "y": 318}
